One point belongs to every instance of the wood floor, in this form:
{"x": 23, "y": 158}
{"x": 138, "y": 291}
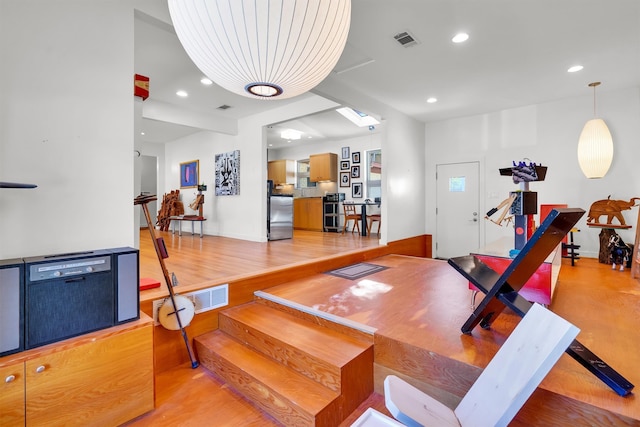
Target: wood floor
{"x": 196, "y": 260}
{"x": 590, "y": 295}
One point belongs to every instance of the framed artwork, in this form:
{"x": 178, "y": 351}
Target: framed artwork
{"x": 228, "y": 173}
{"x": 189, "y": 174}
{"x": 355, "y": 171}
{"x": 356, "y": 190}
{"x": 345, "y": 179}
{"x": 344, "y": 165}
{"x": 355, "y": 157}
{"x": 345, "y": 152}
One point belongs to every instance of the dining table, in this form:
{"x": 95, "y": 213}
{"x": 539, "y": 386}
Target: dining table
{"x": 363, "y": 212}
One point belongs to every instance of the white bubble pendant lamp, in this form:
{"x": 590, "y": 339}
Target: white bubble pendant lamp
{"x": 595, "y": 145}
{"x": 263, "y": 48}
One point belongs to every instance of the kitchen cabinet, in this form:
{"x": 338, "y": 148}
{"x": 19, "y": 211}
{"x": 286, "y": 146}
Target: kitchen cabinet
{"x": 104, "y": 378}
{"x": 323, "y": 167}
{"x": 307, "y": 213}
{"x": 282, "y": 171}
{"x": 12, "y": 395}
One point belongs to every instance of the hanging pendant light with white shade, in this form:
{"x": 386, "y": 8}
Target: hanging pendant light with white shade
{"x": 595, "y": 145}
{"x": 263, "y": 48}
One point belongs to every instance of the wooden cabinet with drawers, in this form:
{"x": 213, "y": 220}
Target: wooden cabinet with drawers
{"x": 323, "y": 167}
{"x": 103, "y": 378}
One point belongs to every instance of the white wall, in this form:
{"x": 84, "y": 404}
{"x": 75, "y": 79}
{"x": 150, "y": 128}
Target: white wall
{"x": 66, "y": 124}
{"x": 403, "y": 153}
{"x": 242, "y": 216}
{"x": 548, "y": 135}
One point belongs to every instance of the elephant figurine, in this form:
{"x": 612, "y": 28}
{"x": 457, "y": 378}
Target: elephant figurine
{"x": 610, "y": 208}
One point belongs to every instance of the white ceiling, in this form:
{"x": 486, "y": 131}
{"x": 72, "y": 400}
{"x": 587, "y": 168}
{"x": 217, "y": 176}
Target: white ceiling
{"x": 518, "y": 54}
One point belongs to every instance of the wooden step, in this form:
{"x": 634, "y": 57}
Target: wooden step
{"x": 291, "y": 398}
{"x": 345, "y": 326}
{"x": 322, "y": 354}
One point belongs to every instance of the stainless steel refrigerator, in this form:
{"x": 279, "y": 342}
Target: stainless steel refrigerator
{"x": 279, "y": 214}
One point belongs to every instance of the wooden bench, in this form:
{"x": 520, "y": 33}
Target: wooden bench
{"x": 192, "y": 219}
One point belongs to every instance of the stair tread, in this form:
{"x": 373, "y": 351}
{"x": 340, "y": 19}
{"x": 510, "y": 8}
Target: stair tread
{"x": 282, "y": 380}
{"x": 324, "y": 343}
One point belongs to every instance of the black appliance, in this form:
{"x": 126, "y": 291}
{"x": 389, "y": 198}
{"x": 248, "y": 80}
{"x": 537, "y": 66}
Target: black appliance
{"x": 72, "y": 294}
{"x": 11, "y": 306}
{"x": 331, "y": 211}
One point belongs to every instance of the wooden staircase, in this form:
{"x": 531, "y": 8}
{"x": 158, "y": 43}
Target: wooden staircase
{"x": 289, "y": 364}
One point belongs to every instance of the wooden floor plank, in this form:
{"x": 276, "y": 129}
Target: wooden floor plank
{"x": 196, "y": 260}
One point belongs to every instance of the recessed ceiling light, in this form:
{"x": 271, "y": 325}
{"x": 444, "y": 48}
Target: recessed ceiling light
{"x": 182, "y": 93}
{"x": 575, "y": 68}
{"x": 206, "y": 81}
{"x": 432, "y": 100}
{"x": 290, "y": 134}
{"x": 141, "y": 133}
{"x": 460, "y": 37}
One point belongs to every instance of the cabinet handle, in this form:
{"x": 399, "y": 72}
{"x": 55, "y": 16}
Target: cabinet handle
{"x": 40, "y": 369}
{"x": 10, "y": 378}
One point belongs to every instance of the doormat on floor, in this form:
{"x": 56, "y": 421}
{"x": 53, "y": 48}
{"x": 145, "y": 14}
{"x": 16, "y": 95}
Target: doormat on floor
{"x": 357, "y": 271}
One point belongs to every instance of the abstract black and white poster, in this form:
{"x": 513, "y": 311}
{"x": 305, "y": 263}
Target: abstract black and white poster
{"x": 228, "y": 173}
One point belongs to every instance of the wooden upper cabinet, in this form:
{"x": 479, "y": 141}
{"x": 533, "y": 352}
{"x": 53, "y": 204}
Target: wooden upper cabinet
{"x": 282, "y": 171}
{"x": 323, "y": 167}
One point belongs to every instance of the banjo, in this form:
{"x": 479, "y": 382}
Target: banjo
{"x": 172, "y": 308}
{"x": 168, "y": 313}
{"x": 177, "y": 311}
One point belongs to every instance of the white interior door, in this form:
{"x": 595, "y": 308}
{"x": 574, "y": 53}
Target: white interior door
{"x": 457, "y": 209}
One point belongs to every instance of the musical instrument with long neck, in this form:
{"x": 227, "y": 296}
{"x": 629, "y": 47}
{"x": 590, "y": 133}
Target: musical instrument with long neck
{"x": 161, "y": 251}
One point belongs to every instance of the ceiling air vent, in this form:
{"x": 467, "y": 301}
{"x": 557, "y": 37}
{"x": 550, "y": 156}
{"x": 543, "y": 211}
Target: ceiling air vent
{"x": 405, "y": 39}
{"x": 224, "y": 107}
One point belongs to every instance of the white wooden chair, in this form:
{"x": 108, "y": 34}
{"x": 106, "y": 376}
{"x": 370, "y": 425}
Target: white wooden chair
{"x": 502, "y": 388}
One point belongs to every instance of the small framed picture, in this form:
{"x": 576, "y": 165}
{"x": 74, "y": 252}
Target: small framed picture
{"x": 189, "y": 174}
{"x": 355, "y": 171}
{"x": 355, "y": 157}
{"x": 345, "y": 179}
{"x": 344, "y": 165}
{"x": 356, "y": 190}
{"x": 345, "y": 152}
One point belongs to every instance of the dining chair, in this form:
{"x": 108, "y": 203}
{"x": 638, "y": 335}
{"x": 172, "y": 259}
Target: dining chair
{"x": 351, "y": 214}
{"x": 370, "y": 220}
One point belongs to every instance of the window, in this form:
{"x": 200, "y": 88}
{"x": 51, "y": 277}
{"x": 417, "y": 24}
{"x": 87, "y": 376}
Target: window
{"x": 302, "y": 174}
{"x": 374, "y": 173}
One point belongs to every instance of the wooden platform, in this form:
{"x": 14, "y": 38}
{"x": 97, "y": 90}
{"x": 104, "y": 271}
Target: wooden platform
{"x": 416, "y": 307}
{"x": 246, "y": 267}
